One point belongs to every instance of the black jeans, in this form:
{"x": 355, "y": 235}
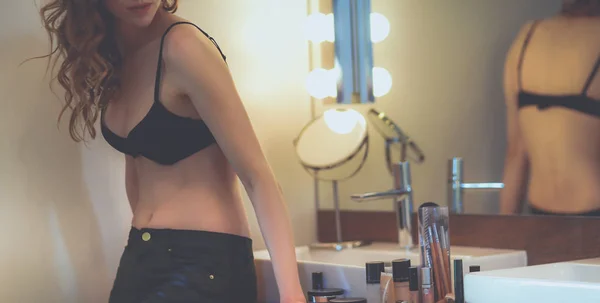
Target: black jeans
{"x": 165, "y": 265}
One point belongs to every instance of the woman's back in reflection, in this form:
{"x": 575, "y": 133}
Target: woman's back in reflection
{"x": 553, "y": 111}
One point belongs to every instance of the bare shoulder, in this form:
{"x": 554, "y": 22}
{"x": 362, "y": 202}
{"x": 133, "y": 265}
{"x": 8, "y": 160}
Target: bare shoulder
{"x": 512, "y": 61}
{"x": 185, "y": 43}
{"x": 517, "y": 44}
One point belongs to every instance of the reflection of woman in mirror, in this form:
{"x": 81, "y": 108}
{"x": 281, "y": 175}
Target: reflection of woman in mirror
{"x": 552, "y": 91}
{"x": 165, "y": 98}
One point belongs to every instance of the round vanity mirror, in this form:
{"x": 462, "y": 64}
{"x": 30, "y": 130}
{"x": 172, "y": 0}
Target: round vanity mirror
{"x": 334, "y": 145}
{"x": 385, "y": 126}
{"x": 394, "y": 136}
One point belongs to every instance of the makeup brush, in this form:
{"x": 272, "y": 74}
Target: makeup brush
{"x": 444, "y": 267}
{"x": 424, "y": 221}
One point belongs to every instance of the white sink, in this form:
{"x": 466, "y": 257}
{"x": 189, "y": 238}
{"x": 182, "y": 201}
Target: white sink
{"x": 346, "y": 269}
{"x": 576, "y": 281}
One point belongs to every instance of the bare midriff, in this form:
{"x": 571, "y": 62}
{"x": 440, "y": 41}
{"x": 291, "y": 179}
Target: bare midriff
{"x": 564, "y": 159}
{"x": 200, "y": 192}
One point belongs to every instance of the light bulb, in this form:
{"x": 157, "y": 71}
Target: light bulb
{"x": 382, "y": 81}
{"x": 322, "y": 83}
{"x": 319, "y": 27}
{"x": 343, "y": 121}
{"x": 380, "y": 27}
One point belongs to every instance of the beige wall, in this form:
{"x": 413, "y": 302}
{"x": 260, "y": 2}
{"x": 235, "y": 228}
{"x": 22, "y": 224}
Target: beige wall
{"x": 446, "y": 60}
{"x": 63, "y": 211}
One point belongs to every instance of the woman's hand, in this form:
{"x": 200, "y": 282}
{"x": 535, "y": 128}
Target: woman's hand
{"x": 296, "y": 297}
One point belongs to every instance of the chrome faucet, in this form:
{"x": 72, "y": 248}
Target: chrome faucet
{"x": 403, "y": 201}
{"x": 456, "y": 186}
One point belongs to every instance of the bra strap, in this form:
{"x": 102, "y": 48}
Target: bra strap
{"x": 160, "y": 55}
{"x": 588, "y": 83}
{"x": 525, "y": 44}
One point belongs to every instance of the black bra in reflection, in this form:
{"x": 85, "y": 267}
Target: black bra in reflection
{"x": 162, "y": 136}
{"x": 580, "y": 102}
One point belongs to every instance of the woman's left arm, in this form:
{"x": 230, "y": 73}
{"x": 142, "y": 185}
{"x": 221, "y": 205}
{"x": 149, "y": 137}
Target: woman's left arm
{"x": 516, "y": 160}
{"x": 200, "y": 72}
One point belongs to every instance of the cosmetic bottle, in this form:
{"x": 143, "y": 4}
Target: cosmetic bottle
{"x": 459, "y": 290}
{"x": 319, "y": 293}
{"x": 474, "y": 268}
{"x": 373, "y": 275}
{"x": 317, "y": 280}
{"x": 427, "y": 293}
{"x": 387, "y": 288}
{"x": 400, "y": 275}
{"x": 413, "y": 284}
{"x": 349, "y": 300}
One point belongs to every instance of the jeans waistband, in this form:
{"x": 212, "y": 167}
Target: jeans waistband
{"x": 188, "y": 238}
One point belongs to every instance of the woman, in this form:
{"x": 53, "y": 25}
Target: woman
{"x": 165, "y": 98}
{"x": 553, "y": 114}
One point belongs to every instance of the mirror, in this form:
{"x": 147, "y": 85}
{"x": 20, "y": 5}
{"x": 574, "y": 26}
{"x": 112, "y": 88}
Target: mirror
{"x": 447, "y": 63}
{"x": 333, "y": 146}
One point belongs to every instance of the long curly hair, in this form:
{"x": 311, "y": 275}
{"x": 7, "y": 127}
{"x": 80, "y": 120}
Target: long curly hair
{"x": 581, "y": 8}
{"x": 81, "y": 34}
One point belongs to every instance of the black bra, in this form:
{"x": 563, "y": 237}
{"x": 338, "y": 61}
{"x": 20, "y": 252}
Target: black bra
{"x": 580, "y": 102}
{"x": 162, "y": 136}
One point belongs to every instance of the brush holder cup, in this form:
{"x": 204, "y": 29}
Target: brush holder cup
{"x": 434, "y": 241}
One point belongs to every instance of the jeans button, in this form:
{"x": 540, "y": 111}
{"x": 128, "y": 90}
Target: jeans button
{"x": 146, "y": 236}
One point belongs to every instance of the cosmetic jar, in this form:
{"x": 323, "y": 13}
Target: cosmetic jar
{"x": 319, "y": 293}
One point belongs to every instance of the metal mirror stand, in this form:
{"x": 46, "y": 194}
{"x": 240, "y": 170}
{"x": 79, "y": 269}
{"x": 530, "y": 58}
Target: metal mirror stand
{"x": 339, "y": 244}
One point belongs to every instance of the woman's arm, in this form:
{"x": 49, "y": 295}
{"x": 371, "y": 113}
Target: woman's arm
{"x": 516, "y": 162}
{"x": 201, "y": 73}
